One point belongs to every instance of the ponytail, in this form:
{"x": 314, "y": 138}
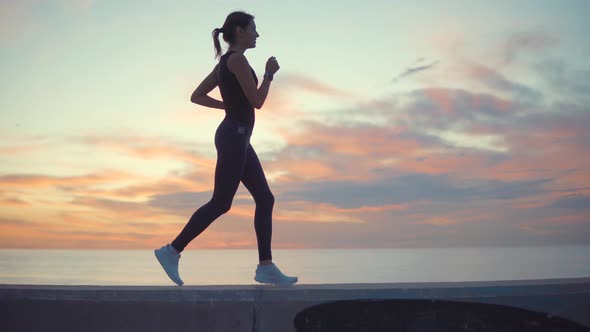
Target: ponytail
{"x": 216, "y": 43}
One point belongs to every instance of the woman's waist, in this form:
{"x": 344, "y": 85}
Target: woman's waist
{"x": 237, "y": 124}
{"x": 243, "y": 118}
{"x": 239, "y": 109}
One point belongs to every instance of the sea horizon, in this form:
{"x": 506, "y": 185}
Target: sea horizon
{"x": 312, "y": 266}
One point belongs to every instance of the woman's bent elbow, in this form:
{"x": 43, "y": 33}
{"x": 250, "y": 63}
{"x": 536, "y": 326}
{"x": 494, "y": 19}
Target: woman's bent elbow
{"x": 258, "y": 105}
{"x": 195, "y": 99}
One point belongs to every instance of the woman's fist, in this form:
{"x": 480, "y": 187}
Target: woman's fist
{"x": 272, "y": 66}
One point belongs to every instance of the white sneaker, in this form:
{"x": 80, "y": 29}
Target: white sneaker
{"x": 168, "y": 258}
{"x": 270, "y": 274}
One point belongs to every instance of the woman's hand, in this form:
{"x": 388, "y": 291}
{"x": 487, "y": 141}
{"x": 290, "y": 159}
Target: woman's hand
{"x": 272, "y": 66}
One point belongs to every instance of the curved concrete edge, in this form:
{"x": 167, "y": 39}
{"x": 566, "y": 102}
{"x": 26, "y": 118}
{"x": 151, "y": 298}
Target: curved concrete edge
{"x": 256, "y": 307}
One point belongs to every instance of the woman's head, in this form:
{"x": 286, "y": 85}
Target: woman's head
{"x": 238, "y": 30}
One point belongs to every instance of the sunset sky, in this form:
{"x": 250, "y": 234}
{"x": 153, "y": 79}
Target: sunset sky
{"x": 389, "y": 124}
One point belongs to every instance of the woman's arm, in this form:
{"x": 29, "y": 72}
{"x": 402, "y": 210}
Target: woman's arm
{"x": 238, "y": 64}
{"x": 200, "y": 96}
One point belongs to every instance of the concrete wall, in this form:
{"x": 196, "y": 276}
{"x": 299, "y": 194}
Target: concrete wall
{"x": 255, "y": 307}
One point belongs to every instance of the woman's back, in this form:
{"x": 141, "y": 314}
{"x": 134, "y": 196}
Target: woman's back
{"x": 236, "y": 103}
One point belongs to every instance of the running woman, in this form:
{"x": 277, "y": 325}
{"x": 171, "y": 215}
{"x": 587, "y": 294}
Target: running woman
{"x": 236, "y": 159}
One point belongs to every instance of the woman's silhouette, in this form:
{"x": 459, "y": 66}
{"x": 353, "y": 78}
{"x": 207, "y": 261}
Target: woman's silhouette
{"x": 236, "y": 159}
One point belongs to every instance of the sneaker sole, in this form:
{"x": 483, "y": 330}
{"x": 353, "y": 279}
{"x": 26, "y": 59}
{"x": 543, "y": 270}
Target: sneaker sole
{"x": 168, "y": 274}
{"x": 276, "y": 283}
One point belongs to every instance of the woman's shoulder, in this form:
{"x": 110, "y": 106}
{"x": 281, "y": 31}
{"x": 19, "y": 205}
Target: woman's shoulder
{"x": 237, "y": 59}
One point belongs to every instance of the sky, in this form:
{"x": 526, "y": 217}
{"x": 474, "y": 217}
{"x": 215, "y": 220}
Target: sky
{"x": 389, "y": 124}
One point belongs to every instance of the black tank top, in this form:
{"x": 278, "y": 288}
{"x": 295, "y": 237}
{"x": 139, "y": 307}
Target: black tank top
{"x": 236, "y": 103}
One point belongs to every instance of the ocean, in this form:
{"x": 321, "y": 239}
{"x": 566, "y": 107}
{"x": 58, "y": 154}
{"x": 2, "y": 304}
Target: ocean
{"x": 312, "y": 266}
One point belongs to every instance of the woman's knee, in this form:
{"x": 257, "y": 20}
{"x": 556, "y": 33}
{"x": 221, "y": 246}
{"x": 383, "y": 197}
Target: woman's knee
{"x": 266, "y": 199}
{"x": 221, "y": 206}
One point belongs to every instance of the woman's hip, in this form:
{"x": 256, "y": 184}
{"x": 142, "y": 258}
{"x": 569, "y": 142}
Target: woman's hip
{"x": 231, "y": 132}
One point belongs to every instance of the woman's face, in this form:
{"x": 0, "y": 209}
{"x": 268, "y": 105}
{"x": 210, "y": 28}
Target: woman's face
{"x": 249, "y": 35}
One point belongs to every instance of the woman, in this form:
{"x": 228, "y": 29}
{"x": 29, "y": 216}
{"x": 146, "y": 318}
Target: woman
{"x": 236, "y": 158}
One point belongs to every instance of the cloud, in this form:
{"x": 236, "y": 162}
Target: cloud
{"x": 339, "y": 152}
{"x": 498, "y": 82}
{"x": 412, "y": 188}
{"x": 532, "y": 41}
{"x": 13, "y": 202}
{"x": 146, "y": 147}
{"x": 15, "y": 22}
{"x": 81, "y": 5}
{"x": 16, "y": 146}
{"x": 442, "y": 131}
{"x": 414, "y": 70}
{"x": 36, "y": 180}
{"x": 314, "y": 86}
{"x": 445, "y": 108}
{"x": 18, "y": 22}
{"x": 180, "y": 201}
{"x": 572, "y": 81}
{"x": 576, "y": 202}
{"x": 344, "y": 149}
{"x": 15, "y": 222}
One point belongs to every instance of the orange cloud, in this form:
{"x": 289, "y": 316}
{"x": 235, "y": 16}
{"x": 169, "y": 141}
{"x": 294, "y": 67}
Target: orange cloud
{"x": 309, "y": 84}
{"x": 18, "y": 148}
{"x": 13, "y": 202}
{"x": 439, "y": 221}
{"x": 31, "y": 181}
{"x": 314, "y": 213}
{"x": 149, "y": 148}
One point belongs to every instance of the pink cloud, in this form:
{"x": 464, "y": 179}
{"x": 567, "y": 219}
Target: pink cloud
{"x": 314, "y": 86}
{"x": 534, "y": 41}
{"x": 81, "y": 5}
{"x": 16, "y": 23}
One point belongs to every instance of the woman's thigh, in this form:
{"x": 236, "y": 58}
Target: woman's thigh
{"x": 253, "y": 177}
{"x": 232, "y": 148}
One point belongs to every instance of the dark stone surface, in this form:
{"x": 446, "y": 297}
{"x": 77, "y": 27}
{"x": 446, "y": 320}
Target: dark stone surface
{"x": 124, "y": 316}
{"x": 233, "y": 308}
{"x": 427, "y": 315}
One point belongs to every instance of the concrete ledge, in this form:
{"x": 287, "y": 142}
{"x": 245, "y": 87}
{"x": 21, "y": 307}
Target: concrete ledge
{"x": 255, "y": 307}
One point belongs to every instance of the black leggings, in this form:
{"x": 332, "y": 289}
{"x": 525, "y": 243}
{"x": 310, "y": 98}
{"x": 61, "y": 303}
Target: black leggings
{"x": 236, "y": 161}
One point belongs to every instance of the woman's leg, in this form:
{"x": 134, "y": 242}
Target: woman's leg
{"x": 255, "y": 181}
{"x": 232, "y": 146}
